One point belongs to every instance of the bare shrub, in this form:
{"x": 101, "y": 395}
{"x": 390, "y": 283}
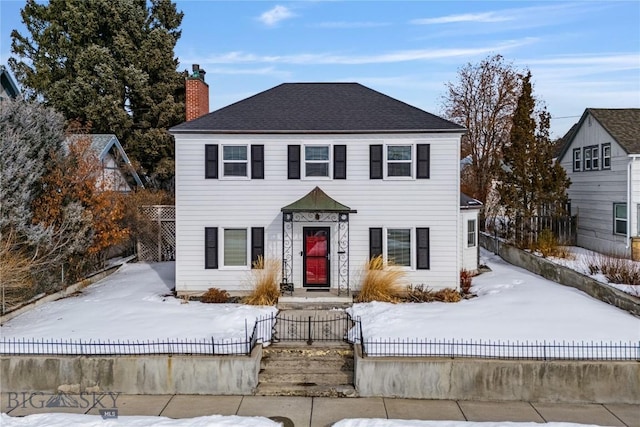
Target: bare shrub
{"x": 263, "y": 281}
{"x": 616, "y": 269}
{"x": 215, "y": 296}
{"x": 381, "y": 282}
{"x": 465, "y": 282}
{"x": 15, "y": 274}
{"x": 421, "y": 293}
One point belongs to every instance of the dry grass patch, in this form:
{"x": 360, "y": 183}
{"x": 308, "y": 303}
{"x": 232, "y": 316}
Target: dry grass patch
{"x": 616, "y": 269}
{"x": 548, "y": 245}
{"x": 421, "y": 293}
{"x": 215, "y": 296}
{"x": 381, "y": 282}
{"x": 264, "y": 282}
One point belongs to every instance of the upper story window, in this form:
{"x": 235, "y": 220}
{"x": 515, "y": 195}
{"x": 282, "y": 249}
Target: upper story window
{"x": 577, "y": 159}
{"x": 235, "y": 160}
{"x": 316, "y": 161}
{"x": 606, "y": 156}
{"x": 587, "y": 158}
{"x": 595, "y": 158}
{"x": 399, "y": 161}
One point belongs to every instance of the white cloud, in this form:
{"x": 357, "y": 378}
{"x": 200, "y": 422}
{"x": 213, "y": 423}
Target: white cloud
{"x": 383, "y": 58}
{"x": 273, "y": 16}
{"x": 347, "y": 25}
{"x": 467, "y": 17}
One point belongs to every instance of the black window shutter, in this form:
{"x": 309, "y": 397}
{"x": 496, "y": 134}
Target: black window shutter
{"x": 293, "y": 164}
{"x": 422, "y": 164}
{"x": 339, "y": 162}
{"x": 257, "y": 162}
{"x": 211, "y": 161}
{"x": 422, "y": 248}
{"x": 211, "y": 247}
{"x": 375, "y": 162}
{"x": 375, "y": 242}
{"x": 257, "y": 244}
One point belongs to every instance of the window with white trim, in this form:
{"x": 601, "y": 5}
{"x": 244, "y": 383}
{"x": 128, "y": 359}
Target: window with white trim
{"x": 620, "y": 218}
{"x": 399, "y": 160}
{"x": 471, "y": 233}
{"x": 595, "y": 158}
{"x": 577, "y": 159}
{"x": 317, "y": 161}
{"x": 235, "y": 247}
{"x": 398, "y": 245}
{"x": 235, "y": 160}
{"x": 606, "y": 156}
{"x": 587, "y": 158}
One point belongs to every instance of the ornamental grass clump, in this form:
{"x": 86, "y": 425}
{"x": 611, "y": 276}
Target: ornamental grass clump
{"x": 421, "y": 293}
{"x": 381, "y": 281}
{"x": 263, "y": 282}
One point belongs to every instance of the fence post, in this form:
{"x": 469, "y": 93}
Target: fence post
{"x": 309, "y": 340}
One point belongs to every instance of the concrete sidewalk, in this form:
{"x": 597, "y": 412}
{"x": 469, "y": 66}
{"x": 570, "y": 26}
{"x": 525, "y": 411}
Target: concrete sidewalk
{"x": 323, "y": 411}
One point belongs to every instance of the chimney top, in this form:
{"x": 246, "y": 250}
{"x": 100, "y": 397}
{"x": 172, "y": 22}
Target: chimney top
{"x": 197, "y": 72}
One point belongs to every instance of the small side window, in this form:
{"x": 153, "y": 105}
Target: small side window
{"x": 606, "y": 156}
{"x": 577, "y": 160}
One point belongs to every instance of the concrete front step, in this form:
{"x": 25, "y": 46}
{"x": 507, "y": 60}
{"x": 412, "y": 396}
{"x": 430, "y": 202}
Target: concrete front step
{"x": 306, "y": 390}
{"x": 318, "y": 365}
{"x": 306, "y": 377}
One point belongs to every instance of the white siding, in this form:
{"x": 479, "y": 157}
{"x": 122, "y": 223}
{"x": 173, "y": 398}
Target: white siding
{"x": 224, "y": 202}
{"x": 593, "y": 193}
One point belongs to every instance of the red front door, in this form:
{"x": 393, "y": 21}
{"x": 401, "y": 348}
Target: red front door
{"x": 316, "y": 256}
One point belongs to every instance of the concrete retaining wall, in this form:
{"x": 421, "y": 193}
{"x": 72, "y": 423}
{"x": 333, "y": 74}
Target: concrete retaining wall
{"x": 486, "y": 379}
{"x": 222, "y": 375}
{"x": 564, "y": 276}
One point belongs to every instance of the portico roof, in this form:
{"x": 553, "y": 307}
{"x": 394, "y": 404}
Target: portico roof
{"x": 317, "y": 201}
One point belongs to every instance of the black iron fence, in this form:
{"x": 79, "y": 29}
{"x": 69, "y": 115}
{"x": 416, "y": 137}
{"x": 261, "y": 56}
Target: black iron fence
{"x": 332, "y": 326}
{"x": 423, "y": 347}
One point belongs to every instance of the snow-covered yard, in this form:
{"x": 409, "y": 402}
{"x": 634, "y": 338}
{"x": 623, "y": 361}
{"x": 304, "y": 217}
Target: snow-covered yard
{"x": 511, "y": 305}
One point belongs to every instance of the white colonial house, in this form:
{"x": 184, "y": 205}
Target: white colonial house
{"x": 601, "y": 155}
{"x": 322, "y": 176}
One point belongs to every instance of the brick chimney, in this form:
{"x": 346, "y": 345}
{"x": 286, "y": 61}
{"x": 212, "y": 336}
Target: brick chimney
{"x": 197, "y": 94}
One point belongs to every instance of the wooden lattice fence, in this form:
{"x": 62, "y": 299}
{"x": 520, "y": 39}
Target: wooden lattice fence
{"x": 160, "y": 243}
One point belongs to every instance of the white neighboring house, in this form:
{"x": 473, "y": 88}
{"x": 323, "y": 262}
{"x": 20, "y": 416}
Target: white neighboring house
{"x": 322, "y": 176}
{"x": 117, "y": 171}
{"x": 601, "y": 155}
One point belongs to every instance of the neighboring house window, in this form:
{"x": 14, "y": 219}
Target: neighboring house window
{"x": 587, "y": 158}
{"x": 234, "y": 158}
{"x": 471, "y": 233}
{"x": 595, "y": 158}
{"x": 620, "y": 218}
{"x": 399, "y": 246}
{"x": 577, "y": 159}
{"x": 316, "y": 161}
{"x": 399, "y": 161}
{"x": 606, "y": 156}
{"x": 235, "y": 247}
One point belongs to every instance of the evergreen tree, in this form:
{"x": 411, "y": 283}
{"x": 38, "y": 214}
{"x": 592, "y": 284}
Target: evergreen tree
{"x": 110, "y": 64}
{"x": 530, "y": 182}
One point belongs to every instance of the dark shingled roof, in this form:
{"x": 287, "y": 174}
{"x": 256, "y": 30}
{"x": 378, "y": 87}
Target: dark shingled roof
{"x": 317, "y": 201}
{"x": 318, "y": 108}
{"x": 468, "y": 202}
{"x": 623, "y": 124}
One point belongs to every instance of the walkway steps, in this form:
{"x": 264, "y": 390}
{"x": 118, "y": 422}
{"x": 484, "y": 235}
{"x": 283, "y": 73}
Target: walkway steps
{"x": 311, "y": 371}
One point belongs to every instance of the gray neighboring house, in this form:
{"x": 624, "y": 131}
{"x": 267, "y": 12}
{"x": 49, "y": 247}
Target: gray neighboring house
{"x": 116, "y": 166}
{"x": 601, "y": 155}
{"x": 8, "y": 87}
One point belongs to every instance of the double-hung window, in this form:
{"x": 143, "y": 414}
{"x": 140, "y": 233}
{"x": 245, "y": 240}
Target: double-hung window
{"x": 606, "y": 156}
{"x": 399, "y": 161}
{"x": 399, "y": 246}
{"x": 595, "y": 158}
{"x": 316, "y": 161}
{"x": 235, "y": 160}
{"x": 235, "y": 247}
{"x": 577, "y": 159}
{"x": 587, "y": 158}
{"x": 471, "y": 233}
{"x": 620, "y": 218}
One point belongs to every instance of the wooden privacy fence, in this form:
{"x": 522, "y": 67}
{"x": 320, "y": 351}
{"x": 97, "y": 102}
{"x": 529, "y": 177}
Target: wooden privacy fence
{"x": 527, "y": 230}
{"x": 159, "y": 244}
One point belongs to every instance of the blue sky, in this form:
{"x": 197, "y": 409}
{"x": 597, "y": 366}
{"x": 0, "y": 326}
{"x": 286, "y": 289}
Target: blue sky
{"x": 581, "y": 54}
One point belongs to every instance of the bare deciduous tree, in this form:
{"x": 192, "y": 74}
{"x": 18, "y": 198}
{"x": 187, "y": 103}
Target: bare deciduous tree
{"x": 483, "y": 100}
